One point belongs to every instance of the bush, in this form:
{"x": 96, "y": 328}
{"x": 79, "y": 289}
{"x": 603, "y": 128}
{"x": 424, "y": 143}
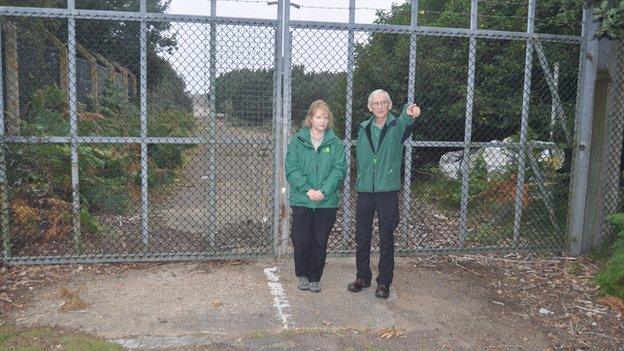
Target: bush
{"x": 47, "y": 113}
{"x": 491, "y": 200}
{"x": 611, "y": 276}
{"x": 40, "y": 174}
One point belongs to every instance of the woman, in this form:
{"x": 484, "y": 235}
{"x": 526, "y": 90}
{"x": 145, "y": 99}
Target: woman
{"x": 315, "y": 169}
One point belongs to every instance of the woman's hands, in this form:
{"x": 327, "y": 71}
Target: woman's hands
{"x": 315, "y": 195}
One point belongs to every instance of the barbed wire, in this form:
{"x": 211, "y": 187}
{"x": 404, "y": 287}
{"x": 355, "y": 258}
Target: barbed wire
{"x": 309, "y": 6}
{"x": 421, "y": 12}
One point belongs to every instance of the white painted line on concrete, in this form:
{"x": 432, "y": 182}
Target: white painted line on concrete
{"x": 157, "y": 342}
{"x": 280, "y": 302}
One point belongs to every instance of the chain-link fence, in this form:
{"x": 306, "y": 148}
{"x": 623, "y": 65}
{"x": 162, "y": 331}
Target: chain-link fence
{"x": 489, "y": 161}
{"x": 38, "y": 57}
{"x": 181, "y": 169}
{"x": 192, "y": 167}
{"x": 612, "y": 180}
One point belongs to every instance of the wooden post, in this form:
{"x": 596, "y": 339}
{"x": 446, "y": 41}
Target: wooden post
{"x": 124, "y": 77}
{"x": 63, "y": 62}
{"x": 93, "y": 74}
{"x": 134, "y": 82}
{"x": 109, "y": 66}
{"x": 12, "y": 80}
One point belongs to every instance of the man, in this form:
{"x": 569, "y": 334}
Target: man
{"x": 379, "y": 154}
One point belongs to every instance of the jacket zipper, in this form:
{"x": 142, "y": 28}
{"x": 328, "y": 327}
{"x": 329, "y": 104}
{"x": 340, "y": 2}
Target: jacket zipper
{"x": 374, "y": 169}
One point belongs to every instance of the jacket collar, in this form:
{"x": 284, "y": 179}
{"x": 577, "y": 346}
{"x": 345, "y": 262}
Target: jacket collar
{"x": 391, "y": 121}
{"x": 304, "y": 136}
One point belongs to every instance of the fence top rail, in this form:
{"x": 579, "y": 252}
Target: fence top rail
{"x": 129, "y": 16}
{"x": 437, "y": 31}
{"x": 383, "y": 28}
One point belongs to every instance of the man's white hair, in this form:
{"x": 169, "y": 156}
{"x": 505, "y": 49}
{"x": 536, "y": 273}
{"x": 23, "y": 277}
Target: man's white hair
{"x": 371, "y": 96}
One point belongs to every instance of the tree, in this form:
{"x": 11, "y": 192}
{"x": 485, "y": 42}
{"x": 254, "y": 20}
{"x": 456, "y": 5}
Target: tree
{"x": 442, "y": 68}
{"x": 115, "y": 40}
{"x": 611, "y": 18}
{"x": 247, "y": 94}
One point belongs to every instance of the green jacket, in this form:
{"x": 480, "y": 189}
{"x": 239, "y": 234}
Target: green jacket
{"x": 380, "y": 170}
{"x": 323, "y": 169}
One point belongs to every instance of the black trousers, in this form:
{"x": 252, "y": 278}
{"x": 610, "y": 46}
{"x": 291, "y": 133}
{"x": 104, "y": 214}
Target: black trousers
{"x": 309, "y": 233}
{"x": 386, "y": 205}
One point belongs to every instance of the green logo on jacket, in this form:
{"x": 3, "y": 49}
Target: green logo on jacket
{"x": 326, "y": 149}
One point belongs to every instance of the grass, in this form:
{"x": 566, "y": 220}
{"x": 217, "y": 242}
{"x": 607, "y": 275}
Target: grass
{"x": 13, "y": 338}
{"x": 611, "y": 276}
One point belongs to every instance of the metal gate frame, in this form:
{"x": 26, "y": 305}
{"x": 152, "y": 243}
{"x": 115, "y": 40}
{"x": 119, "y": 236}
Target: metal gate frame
{"x": 72, "y": 14}
{"x": 282, "y": 118}
{"x": 533, "y": 47}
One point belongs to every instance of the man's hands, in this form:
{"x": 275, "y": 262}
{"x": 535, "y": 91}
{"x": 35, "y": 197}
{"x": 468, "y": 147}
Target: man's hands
{"x": 413, "y": 111}
{"x": 315, "y": 195}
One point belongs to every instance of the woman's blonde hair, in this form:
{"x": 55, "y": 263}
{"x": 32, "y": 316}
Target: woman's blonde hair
{"x": 318, "y": 104}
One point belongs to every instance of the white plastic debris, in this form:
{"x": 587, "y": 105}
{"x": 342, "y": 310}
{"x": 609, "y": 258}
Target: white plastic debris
{"x": 545, "y": 312}
{"x": 498, "y": 159}
{"x": 450, "y": 162}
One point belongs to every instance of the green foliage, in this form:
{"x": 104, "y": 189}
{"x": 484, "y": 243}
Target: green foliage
{"x": 166, "y": 88}
{"x": 109, "y": 175}
{"x": 247, "y": 95}
{"x": 611, "y": 18}
{"x": 442, "y": 66}
{"x": 491, "y": 200}
{"x": 611, "y": 276}
{"x": 171, "y": 121}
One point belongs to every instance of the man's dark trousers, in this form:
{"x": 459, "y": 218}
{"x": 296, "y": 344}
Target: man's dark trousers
{"x": 386, "y": 205}
{"x": 309, "y": 233}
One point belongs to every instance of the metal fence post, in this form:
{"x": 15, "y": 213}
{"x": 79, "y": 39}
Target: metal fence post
{"x": 524, "y": 124}
{"x": 286, "y": 115}
{"x": 144, "y": 163}
{"x": 346, "y": 187}
{"x": 278, "y": 192}
{"x": 579, "y": 239}
{"x": 73, "y": 125}
{"x": 553, "y": 108}
{"x": 4, "y": 193}
{"x": 212, "y": 172}
{"x": 465, "y": 164}
{"x": 407, "y": 159}
{"x": 603, "y": 130}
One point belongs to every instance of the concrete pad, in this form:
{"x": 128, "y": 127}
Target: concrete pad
{"x": 177, "y": 304}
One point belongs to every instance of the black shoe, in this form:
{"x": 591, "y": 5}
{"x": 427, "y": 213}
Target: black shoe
{"x": 357, "y": 285}
{"x": 383, "y": 291}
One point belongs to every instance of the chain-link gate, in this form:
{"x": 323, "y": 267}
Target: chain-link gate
{"x": 149, "y": 136}
{"x": 488, "y": 166}
{"x": 138, "y": 138}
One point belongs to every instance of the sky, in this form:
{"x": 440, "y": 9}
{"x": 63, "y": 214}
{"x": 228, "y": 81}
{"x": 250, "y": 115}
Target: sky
{"x": 253, "y": 47}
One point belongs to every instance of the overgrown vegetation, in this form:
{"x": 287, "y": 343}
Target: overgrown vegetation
{"x": 491, "y": 200}
{"x": 611, "y": 18}
{"x": 611, "y": 276}
{"x": 39, "y": 175}
{"x": 245, "y": 96}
